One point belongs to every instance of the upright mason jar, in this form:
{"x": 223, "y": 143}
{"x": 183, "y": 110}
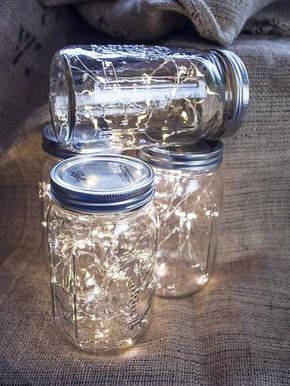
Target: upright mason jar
{"x": 188, "y": 202}
{"x": 102, "y": 240}
{"x": 128, "y": 97}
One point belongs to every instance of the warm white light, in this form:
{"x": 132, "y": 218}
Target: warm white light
{"x": 161, "y": 270}
{"x": 202, "y": 279}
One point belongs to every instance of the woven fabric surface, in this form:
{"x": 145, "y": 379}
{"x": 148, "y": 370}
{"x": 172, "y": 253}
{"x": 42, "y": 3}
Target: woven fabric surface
{"x": 236, "y": 331}
{"x": 29, "y": 37}
{"x": 216, "y": 20}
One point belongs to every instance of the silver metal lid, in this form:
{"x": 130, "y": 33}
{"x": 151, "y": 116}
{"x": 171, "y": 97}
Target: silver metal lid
{"x": 202, "y": 156}
{"x": 102, "y": 183}
{"x": 238, "y": 82}
{"x": 53, "y": 147}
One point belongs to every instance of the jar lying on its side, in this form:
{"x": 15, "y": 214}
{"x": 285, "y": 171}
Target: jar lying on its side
{"x": 130, "y": 96}
{"x": 102, "y": 240}
{"x": 188, "y": 202}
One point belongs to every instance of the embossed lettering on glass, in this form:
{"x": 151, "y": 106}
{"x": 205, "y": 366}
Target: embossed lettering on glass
{"x": 128, "y": 97}
{"x": 188, "y": 202}
{"x": 102, "y": 240}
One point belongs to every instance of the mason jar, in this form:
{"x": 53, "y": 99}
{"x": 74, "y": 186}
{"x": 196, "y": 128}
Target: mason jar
{"x": 188, "y": 203}
{"x": 102, "y": 240}
{"x": 134, "y": 96}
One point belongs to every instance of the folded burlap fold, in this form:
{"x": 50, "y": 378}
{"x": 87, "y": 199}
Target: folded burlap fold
{"x": 220, "y": 21}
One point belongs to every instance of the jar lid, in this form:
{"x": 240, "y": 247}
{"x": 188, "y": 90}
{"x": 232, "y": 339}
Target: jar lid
{"x": 51, "y": 145}
{"x": 203, "y": 156}
{"x": 102, "y": 183}
{"x": 238, "y": 82}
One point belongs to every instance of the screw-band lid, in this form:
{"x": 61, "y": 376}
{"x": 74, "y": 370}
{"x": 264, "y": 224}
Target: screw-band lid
{"x": 102, "y": 183}
{"x": 238, "y": 83}
{"x": 203, "y": 156}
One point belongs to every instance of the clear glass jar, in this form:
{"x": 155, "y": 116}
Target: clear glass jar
{"x": 188, "y": 202}
{"x": 102, "y": 241}
{"x": 128, "y": 97}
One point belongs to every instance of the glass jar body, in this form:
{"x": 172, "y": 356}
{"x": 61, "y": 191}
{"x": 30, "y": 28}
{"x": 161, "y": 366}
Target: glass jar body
{"x": 128, "y": 97}
{"x": 102, "y": 276}
{"x": 44, "y": 187}
{"x": 188, "y": 205}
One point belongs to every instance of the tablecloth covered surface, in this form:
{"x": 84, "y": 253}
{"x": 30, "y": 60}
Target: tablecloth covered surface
{"x": 237, "y": 330}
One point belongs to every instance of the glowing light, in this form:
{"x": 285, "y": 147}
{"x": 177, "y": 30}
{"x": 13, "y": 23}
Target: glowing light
{"x": 192, "y": 216}
{"x": 146, "y": 78}
{"x": 184, "y": 116}
{"x": 161, "y": 270}
{"x": 165, "y": 136}
{"x": 130, "y": 342}
{"x": 90, "y": 282}
{"x": 203, "y": 279}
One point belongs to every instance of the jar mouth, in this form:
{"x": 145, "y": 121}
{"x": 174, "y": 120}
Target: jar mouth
{"x": 53, "y": 147}
{"x": 102, "y": 183}
{"x": 61, "y": 99}
{"x": 203, "y": 156}
{"x": 237, "y": 83}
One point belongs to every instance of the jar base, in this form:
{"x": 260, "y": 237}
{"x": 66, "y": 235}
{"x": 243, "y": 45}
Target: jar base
{"x": 176, "y": 280}
{"x": 165, "y": 293}
{"x": 124, "y": 345}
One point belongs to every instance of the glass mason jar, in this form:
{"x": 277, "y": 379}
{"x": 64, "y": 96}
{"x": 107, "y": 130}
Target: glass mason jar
{"x": 129, "y": 97}
{"x": 102, "y": 241}
{"x": 188, "y": 202}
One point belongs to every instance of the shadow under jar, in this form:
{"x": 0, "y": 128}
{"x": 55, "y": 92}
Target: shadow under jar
{"x": 188, "y": 202}
{"x": 102, "y": 240}
{"x": 133, "y": 96}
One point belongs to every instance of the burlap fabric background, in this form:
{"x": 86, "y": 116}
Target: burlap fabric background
{"x": 236, "y": 331}
{"x": 216, "y": 20}
{"x": 29, "y": 35}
